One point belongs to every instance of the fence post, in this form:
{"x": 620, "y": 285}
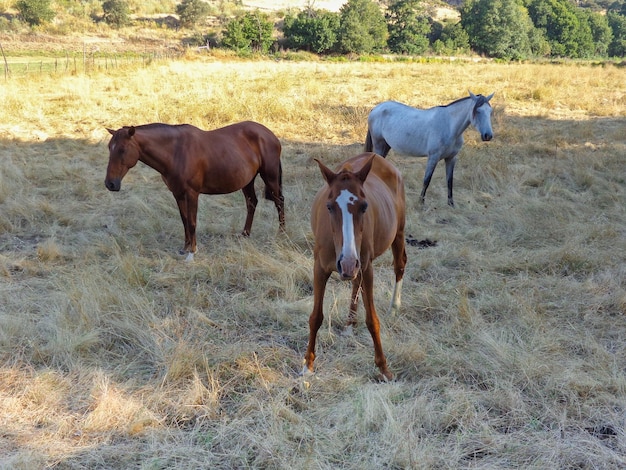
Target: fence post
{"x": 6, "y": 64}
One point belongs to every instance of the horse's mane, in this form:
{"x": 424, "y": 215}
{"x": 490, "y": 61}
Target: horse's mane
{"x": 480, "y": 100}
{"x": 158, "y": 125}
{"x": 457, "y": 101}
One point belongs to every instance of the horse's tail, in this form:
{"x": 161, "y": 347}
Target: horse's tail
{"x": 368, "y": 142}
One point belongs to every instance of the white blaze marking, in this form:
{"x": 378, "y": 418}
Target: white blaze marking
{"x": 345, "y": 199}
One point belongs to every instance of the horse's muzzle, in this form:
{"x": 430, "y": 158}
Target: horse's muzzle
{"x": 348, "y": 268}
{"x": 113, "y": 185}
{"x": 487, "y": 136}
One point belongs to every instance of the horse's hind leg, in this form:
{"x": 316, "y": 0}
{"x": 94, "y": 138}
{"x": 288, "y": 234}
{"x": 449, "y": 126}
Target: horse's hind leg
{"x": 273, "y": 191}
{"x": 399, "y": 263}
{"x": 450, "y": 162}
{"x": 188, "y": 207}
{"x": 251, "y": 202}
{"x": 381, "y": 147}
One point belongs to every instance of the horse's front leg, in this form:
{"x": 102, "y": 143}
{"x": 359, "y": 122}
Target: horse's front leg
{"x": 430, "y": 168}
{"x": 450, "y": 162}
{"x": 371, "y": 319}
{"x": 354, "y": 302}
{"x": 320, "y": 278}
{"x": 251, "y": 201}
{"x": 188, "y": 208}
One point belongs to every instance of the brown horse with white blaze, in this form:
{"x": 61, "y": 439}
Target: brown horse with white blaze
{"x": 192, "y": 161}
{"x": 355, "y": 218}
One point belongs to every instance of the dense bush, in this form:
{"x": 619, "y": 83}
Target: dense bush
{"x": 251, "y": 32}
{"x": 116, "y": 13}
{"x": 34, "y": 12}
{"x": 312, "y": 30}
{"x": 191, "y": 12}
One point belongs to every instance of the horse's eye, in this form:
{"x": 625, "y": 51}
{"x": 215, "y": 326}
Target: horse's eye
{"x": 363, "y": 207}
{"x": 330, "y": 207}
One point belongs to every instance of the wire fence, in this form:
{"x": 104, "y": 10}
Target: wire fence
{"x": 81, "y": 62}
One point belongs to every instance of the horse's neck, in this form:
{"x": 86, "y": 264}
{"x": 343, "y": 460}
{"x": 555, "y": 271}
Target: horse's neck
{"x": 156, "y": 150}
{"x": 461, "y": 114}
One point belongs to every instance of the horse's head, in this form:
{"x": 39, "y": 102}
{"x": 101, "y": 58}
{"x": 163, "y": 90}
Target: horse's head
{"x": 481, "y": 116}
{"x": 123, "y": 155}
{"x": 346, "y": 205}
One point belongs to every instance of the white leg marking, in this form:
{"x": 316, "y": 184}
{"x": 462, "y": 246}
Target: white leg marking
{"x": 395, "y": 298}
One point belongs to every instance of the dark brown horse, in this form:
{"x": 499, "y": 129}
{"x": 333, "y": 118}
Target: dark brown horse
{"x": 355, "y": 218}
{"x": 193, "y": 162}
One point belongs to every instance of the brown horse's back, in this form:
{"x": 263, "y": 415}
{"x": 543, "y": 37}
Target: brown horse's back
{"x": 237, "y": 153}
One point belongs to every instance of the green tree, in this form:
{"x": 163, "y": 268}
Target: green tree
{"x": 116, "y": 13}
{"x": 251, "y": 32}
{"x": 34, "y": 12}
{"x": 452, "y": 39}
{"x": 312, "y": 30}
{"x": 601, "y": 33}
{"x": 497, "y": 28}
{"x": 191, "y": 12}
{"x": 408, "y": 27}
{"x": 565, "y": 28}
{"x": 362, "y": 27}
{"x": 617, "y": 22}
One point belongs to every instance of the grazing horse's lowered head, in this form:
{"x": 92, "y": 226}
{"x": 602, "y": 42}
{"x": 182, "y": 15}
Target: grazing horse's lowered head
{"x": 193, "y": 161}
{"x": 123, "y": 155}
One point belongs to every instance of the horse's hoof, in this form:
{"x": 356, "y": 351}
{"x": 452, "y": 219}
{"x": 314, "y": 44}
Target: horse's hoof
{"x": 187, "y": 254}
{"x": 386, "y": 376}
{"x": 306, "y": 372}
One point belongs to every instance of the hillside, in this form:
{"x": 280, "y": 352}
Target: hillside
{"x": 330, "y": 5}
{"x": 157, "y": 33}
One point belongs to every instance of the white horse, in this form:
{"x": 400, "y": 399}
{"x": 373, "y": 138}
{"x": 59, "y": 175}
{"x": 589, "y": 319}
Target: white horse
{"x": 436, "y": 133}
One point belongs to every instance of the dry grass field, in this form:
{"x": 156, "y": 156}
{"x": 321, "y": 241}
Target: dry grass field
{"x": 510, "y": 347}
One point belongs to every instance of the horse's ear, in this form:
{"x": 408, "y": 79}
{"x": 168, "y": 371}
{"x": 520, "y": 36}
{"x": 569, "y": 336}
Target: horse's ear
{"x": 490, "y": 96}
{"x": 363, "y": 172}
{"x": 111, "y": 131}
{"x": 327, "y": 173}
{"x": 131, "y": 131}
{"x": 472, "y": 94}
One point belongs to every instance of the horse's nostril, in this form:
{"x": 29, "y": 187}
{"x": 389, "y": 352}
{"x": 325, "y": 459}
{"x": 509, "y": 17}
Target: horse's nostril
{"x": 111, "y": 186}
